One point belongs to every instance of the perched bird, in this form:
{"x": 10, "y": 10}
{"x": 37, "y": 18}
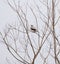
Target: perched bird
{"x": 33, "y": 29}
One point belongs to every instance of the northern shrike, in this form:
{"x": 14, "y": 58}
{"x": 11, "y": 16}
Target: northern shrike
{"x": 33, "y": 29}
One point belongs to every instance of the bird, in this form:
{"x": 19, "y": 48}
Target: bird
{"x": 33, "y": 29}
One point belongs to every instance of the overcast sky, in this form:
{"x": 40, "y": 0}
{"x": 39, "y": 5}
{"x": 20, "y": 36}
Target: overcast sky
{"x": 7, "y": 16}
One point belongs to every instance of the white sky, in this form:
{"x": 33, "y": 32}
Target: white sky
{"x": 7, "y": 15}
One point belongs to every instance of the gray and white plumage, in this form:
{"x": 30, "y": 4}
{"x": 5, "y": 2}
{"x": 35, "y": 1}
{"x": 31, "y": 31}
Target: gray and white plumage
{"x": 33, "y": 29}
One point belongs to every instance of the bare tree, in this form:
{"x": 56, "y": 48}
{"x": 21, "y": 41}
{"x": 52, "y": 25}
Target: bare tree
{"x": 34, "y": 40}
